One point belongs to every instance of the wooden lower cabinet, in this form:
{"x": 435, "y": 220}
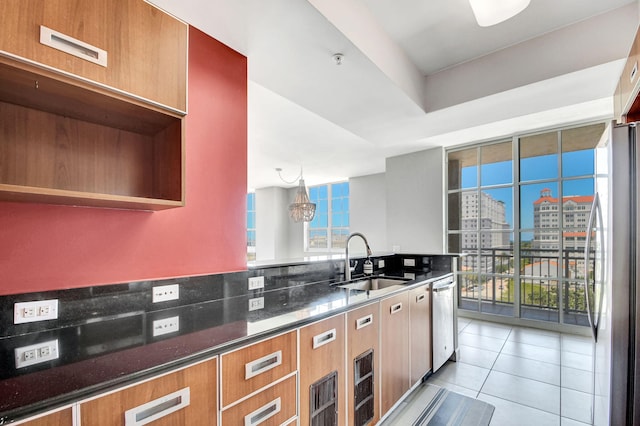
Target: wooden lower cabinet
{"x": 420, "y": 331}
{"x": 63, "y": 417}
{"x": 363, "y": 367}
{"x": 322, "y": 375}
{"x": 253, "y": 367}
{"x": 163, "y": 399}
{"x": 275, "y": 405}
{"x": 394, "y": 348}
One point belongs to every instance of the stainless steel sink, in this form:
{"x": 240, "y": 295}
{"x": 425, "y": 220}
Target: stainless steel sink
{"x": 373, "y": 283}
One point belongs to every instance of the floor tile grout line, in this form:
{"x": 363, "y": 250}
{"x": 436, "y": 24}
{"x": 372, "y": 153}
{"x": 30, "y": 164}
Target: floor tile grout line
{"x": 531, "y": 359}
{"x": 494, "y": 363}
{"x": 524, "y": 405}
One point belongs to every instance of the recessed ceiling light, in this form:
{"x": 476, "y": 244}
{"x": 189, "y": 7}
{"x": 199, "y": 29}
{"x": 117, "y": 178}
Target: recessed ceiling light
{"x": 492, "y": 12}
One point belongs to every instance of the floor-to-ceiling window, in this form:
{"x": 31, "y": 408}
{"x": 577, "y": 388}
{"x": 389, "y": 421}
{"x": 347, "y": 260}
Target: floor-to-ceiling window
{"x": 251, "y": 226}
{"x": 518, "y": 209}
{"x": 329, "y": 228}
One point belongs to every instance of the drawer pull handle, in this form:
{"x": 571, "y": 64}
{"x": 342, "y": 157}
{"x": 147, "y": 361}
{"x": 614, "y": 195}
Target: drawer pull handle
{"x": 396, "y": 308}
{"x": 72, "y": 46}
{"x": 153, "y": 410}
{"x": 364, "y": 321}
{"x": 260, "y": 365}
{"x": 324, "y": 338}
{"x": 420, "y": 298}
{"x": 263, "y": 413}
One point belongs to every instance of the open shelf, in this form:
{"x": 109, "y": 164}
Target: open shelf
{"x": 65, "y": 141}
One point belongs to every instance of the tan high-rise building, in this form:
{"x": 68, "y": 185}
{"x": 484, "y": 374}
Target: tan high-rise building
{"x": 546, "y": 221}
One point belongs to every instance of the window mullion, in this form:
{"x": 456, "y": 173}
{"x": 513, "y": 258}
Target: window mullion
{"x": 516, "y": 226}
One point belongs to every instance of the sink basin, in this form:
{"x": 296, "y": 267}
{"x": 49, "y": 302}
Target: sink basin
{"x": 374, "y": 283}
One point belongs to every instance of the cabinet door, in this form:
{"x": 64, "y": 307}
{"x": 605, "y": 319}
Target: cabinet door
{"x": 253, "y": 367}
{"x": 420, "y": 328}
{"x": 272, "y": 406}
{"x": 145, "y": 47}
{"x": 184, "y": 397}
{"x": 394, "y": 348}
{"x": 322, "y": 354}
{"x": 59, "y": 418}
{"x": 363, "y": 333}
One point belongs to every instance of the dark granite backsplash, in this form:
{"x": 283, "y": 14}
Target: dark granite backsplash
{"x": 96, "y": 326}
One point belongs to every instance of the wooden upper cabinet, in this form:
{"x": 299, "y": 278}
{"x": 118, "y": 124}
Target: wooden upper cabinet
{"x": 98, "y": 120}
{"x": 146, "y": 49}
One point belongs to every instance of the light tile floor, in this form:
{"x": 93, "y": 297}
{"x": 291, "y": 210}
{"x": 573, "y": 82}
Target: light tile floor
{"x": 532, "y": 377}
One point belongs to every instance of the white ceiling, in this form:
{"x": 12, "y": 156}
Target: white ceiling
{"x": 416, "y": 74}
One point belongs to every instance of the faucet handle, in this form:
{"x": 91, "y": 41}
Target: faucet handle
{"x": 355, "y": 265}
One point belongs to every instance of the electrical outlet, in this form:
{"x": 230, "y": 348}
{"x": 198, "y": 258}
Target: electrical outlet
{"x": 38, "y": 310}
{"x": 381, "y": 263}
{"x": 256, "y": 283}
{"x": 163, "y": 293}
{"x": 256, "y": 303}
{"x": 35, "y": 354}
{"x": 166, "y": 326}
{"x": 410, "y": 275}
{"x": 409, "y": 262}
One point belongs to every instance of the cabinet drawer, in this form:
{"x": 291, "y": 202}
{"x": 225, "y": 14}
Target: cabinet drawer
{"x": 184, "y": 397}
{"x": 253, "y": 367}
{"x": 145, "y": 48}
{"x": 63, "y": 417}
{"x": 272, "y": 406}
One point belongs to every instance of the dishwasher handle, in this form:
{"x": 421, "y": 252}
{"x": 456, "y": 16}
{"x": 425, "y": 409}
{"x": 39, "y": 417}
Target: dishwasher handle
{"x": 444, "y": 286}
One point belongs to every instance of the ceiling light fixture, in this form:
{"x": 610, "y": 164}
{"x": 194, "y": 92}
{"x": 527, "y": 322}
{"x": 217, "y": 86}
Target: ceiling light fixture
{"x": 302, "y": 209}
{"x": 492, "y": 12}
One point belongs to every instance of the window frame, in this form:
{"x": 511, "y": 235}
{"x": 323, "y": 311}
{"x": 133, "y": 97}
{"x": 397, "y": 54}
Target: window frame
{"x": 251, "y": 249}
{"x": 517, "y": 231}
{"x": 329, "y": 228}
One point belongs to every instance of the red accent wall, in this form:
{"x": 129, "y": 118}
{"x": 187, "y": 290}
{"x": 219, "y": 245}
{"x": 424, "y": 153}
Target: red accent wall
{"x": 46, "y": 247}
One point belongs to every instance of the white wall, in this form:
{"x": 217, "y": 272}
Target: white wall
{"x": 401, "y": 210}
{"x": 368, "y": 209}
{"x": 296, "y": 231}
{"x": 414, "y": 198}
{"x": 272, "y": 228}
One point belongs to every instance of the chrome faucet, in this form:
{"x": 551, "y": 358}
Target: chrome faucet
{"x": 347, "y": 263}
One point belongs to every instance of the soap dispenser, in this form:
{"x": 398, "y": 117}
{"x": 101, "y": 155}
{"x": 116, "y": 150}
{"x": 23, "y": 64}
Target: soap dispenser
{"x": 367, "y": 267}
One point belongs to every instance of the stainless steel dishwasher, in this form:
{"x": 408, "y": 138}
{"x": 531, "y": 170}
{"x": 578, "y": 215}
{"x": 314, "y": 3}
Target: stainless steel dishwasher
{"x": 443, "y": 298}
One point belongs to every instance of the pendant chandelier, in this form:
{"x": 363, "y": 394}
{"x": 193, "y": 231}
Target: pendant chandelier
{"x": 302, "y": 209}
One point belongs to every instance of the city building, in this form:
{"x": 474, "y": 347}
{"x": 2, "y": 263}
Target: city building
{"x": 546, "y": 220}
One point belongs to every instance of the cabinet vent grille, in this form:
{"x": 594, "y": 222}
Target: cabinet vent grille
{"x": 363, "y": 379}
{"x": 324, "y": 401}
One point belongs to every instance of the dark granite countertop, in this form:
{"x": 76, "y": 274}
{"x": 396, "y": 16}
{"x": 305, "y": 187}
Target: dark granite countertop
{"x": 101, "y": 354}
